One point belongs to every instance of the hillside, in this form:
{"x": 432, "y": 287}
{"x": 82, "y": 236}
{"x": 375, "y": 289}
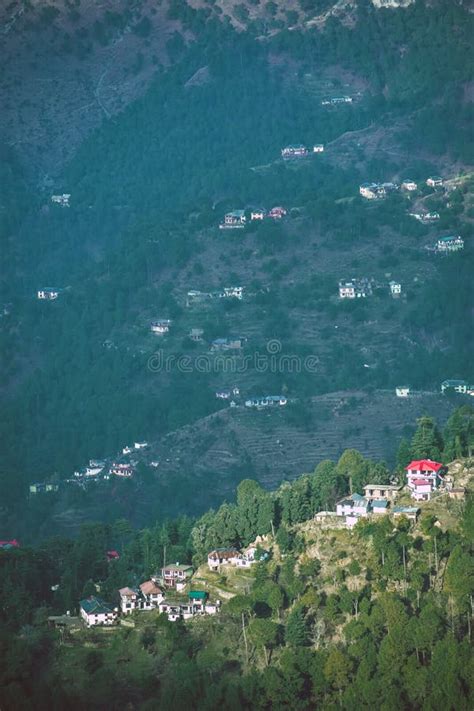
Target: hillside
{"x": 323, "y": 616}
{"x": 164, "y": 149}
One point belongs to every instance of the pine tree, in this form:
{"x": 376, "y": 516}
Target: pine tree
{"x": 426, "y": 442}
{"x": 404, "y": 455}
{"x": 296, "y": 633}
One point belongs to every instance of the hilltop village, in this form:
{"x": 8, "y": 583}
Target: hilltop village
{"x": 183, "y": 591}
{"x": 179, "y": 591}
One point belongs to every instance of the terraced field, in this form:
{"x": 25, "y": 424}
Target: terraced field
{"x": 271, "y": 447}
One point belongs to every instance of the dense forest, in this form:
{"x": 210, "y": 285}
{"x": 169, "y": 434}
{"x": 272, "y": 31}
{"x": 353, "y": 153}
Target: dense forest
{"x": 331, "y": 619}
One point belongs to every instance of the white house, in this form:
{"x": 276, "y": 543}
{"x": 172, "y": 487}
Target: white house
{"x": 129, "y": 600}
{"x": 354, "y": 505}
{"x": 434, "y": 182}
{"x": 341, "y": 100}
{"x": 221, "y": 556}
{"x": 197, "y": 603}
{"x": 236, "y": 292}
{"x": 459, "y": 386}
{"x": 160, "y": 327}
{"x": 318, "y": 148}
{"x": 372, "y": 191}
{"x": 173, "y": 609}
{"x": 379, "y": 506}
{"x": 430, "y": 217}
{"x": 196, "y": 334}
{"x": 395, "y": 289}
{"x": 411, "y": 512}
{"x": 423, "y": 477}
{"x": 127, "y": 450}
{"x": 94, "y": 611}
{"x": 425, "y": 217}
{"x": 266, "y": 401}
{"x": 409, "y": 185}
{"x": 228, "y": 344}
{"x": 355, "y": 289}
{"x": 294, "y": 151}
{"x": 175, "y": 576}
{"x": 368, "y": 190}
{"x": 233, "y": 219}
{"x": 450, "y": 244}
{"x": 92, "y": 471}
{"x": 121, "y": 469}
{"x": 402, "y": 391}
{"x": 258, "y": 214}
{"x": 62, "y": 200}
{"x": 421, "y": 489}
{"x": 152, "y": 595}
{"x": 381, "y": 492}
{"x": 48, "y": 293}
{"x": 140, "y": 445}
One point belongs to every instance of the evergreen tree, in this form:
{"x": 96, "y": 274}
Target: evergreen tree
{"x": 427, "y": 442}
{"x": 296, "y": 632}
{"x": 354, "y": 468}
{"x": 404, "y": 455}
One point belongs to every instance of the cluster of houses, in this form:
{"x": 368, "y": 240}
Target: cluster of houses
{"x": 228, "y": 394}
{"x": 228, "y": 292}
{"x": 298, "y": 150}
{"x": 231, "y": 343}
{"x": 425, "y": 218}
{"x": 423, "y": 478}
{"x": 166, "y": 591}
{"x": 458, "y": 386}
{"x": 451, "y": 243}
{"x": 374, "y": 191}
{"x": 62, "y": 200}
{"x": 337, "y": 100}
{"x": 98, "y": 470}
{"x": 220, "y": 557}
{"x": 43, "y": 487}
{"x": 48, "y": 293}
{"x": 237, "y": 219}
{"x": 377, "y": 191}
{"x": 161, "y": 326}
{"x": 263, "y": 402}
{"x": 355, "y": 288}
{"x": 266, "y": 401}
{"x": 163, "y": 592}
{"x": 360, "y": 288}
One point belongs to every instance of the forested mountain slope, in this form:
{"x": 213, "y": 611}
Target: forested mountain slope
{"x": 380, "y": 615}
{"x": 150, "y": 184}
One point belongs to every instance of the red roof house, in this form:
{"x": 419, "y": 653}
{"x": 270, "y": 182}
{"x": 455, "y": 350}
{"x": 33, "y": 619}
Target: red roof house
{"x": 423, "y": 477}
{"x": 9, "y": 544}
{"x": 424, "y": 465}
{"x": 276, "y": 213}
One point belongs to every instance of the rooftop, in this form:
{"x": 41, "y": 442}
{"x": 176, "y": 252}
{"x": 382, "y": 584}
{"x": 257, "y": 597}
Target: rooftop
{"x": 150, "y": 588}
{"x": 424, "y": 465}
{"x": 95, "y": 606}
